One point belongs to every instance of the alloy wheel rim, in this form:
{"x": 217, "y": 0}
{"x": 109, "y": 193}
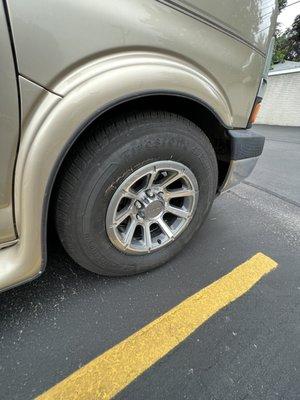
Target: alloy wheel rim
{"x": 152, "y": 207}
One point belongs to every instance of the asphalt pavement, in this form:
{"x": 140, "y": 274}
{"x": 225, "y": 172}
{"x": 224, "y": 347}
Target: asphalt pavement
{"x": 278, "y": 171}
{"x": 250, "y": 349}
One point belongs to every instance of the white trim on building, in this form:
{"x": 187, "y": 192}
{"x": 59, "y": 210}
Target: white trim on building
{"x": 284, "y": 71}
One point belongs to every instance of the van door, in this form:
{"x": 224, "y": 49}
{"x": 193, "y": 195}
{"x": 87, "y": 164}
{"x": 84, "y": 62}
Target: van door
{"x": 9, "y": 131}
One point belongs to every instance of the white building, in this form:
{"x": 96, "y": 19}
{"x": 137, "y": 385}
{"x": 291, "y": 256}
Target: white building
{"x": 281, "y": 103}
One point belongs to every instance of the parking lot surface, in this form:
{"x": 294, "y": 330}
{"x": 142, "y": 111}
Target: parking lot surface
{"x": 246, "y": 343}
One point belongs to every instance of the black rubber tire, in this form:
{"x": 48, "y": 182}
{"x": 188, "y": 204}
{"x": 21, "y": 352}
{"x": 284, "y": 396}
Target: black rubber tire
{"x": 99, "y": 162}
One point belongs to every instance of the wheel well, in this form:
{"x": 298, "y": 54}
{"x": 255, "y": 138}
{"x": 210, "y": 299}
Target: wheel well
{"x": 191, "y": 109}
{"x": 186, "y": 107}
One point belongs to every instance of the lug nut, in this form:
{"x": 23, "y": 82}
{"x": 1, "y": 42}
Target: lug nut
{"x": 139, "y": 217}
{"x": 150, "y": 193}
{"x": 138, "y": 204}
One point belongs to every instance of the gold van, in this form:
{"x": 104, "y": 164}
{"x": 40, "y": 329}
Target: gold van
{"x": 125, "y": 118}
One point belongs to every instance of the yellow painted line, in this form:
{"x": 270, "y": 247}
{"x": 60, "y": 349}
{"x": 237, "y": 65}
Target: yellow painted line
{"x": 108, "y": 374}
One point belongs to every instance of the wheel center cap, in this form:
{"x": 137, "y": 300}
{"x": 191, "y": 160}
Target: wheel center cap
{"x": 153, "y": 209}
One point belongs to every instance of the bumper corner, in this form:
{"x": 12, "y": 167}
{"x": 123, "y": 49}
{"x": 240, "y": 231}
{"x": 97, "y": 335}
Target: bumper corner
{"x": 246, "y": 147}
{"x": 237, "y": 172}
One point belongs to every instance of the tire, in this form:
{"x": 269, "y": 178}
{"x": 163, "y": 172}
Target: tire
{"x": 102, "y": 160}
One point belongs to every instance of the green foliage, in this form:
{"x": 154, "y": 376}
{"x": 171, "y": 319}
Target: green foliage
{"x": 293, "y": 41}
{"x": 287, "y": 44}
{"x": 281, "y": 4}
{"x": 279, "y": 54}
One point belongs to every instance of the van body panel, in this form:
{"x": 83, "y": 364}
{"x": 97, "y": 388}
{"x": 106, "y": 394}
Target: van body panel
{"x": 31, "y": 95}
{"x": 251, "y": 21}
{"x": 55, "y": 38}
{"x": 9, "y": 131}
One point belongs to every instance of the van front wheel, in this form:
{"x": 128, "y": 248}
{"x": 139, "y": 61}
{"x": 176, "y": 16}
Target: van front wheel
{"x": 133, "y": 191}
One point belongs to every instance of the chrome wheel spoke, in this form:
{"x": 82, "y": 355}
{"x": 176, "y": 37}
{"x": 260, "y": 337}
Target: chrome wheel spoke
{"x": 127, "y": 193}
{"x": 179, "y": 212}
{"x": 147, "y": 236}
{"x": 151, "y": 178}
{"x": 177, "y": 193}
{"x": 165, "y": 227}
{"x": 129, "y": 232}
{"x": 121, "y": 216}
{"x": 171, "y": 179}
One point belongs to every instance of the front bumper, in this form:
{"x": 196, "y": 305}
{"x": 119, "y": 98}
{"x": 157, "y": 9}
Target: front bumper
{"x": 246, "y": 146}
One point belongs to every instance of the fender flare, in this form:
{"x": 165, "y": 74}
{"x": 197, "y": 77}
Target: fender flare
{"x": 87, "y": 93}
